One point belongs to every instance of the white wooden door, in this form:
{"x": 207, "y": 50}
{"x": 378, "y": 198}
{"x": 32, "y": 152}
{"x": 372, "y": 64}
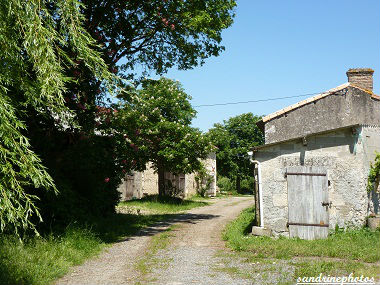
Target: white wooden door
{"x": 308, "y": 202}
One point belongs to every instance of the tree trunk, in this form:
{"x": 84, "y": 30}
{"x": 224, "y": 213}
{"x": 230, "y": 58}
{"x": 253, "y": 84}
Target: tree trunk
{"x": 161, "y": 180}
{"x": 238, "y": 184}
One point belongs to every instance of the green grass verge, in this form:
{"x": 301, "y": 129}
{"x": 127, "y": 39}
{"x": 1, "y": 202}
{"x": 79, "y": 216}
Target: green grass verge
{"x": 360, "y": 244}
{"x": 41, "y": 260}
{"x": 158, "y": 204}
{"x": 343, "y": 252}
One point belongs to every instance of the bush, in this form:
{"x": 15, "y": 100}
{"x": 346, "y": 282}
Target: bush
{"x": 225, "y": 184}
{"x": 374, "y": 174}
{"x": 203, "y": 181}
{"x": 86, "y": 175}
{"x": 247, "y": 185}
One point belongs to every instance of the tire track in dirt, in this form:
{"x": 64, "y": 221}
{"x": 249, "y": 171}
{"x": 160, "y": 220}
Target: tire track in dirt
{"x": 191, "y": 251}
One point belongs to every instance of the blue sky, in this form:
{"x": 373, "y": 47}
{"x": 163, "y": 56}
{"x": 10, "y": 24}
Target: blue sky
{"x": 284, "y": 48}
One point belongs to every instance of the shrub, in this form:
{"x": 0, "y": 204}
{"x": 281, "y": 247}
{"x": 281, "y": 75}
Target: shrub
{"x": 225, "y": 184}
{"x": 203, "y": 181}
{"x": 374, "y": 174}
{"x": 247, "y": 185}
{"x": 86, "y": 176}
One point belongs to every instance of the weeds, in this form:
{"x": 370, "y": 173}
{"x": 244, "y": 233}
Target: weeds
{"x": 158, "y": 204}
{"x": 40, "y": 260}
{"x": 343, "y": 252}
{"x": 359, "y": 245}
{"x": 149, "y": 261}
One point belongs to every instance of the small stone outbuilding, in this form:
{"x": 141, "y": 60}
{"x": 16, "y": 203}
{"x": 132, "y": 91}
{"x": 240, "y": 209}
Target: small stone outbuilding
{"x": 311, "y": 174}
{"x": 136, "y": 185}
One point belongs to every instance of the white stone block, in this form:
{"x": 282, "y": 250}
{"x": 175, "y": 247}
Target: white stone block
{"x": 280, "y": 200}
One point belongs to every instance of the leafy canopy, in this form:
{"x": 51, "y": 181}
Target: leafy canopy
{"x": 33, "y": 38}
{"x": 158, "y": 118}
{"x": 157, "y": 35}
{"x": 234, "y": 138}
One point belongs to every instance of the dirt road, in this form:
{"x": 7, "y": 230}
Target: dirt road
{"x": 190, "y": 257}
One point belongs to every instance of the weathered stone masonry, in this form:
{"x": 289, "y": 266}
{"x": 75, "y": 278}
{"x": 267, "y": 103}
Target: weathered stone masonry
{"x": 346, "y": 158}
{"x": 339, "y": 130}
{"x": 139, "y": 184}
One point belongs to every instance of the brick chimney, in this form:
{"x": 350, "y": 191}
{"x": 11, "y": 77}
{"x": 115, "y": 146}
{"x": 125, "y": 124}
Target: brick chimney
{"x": 361, "y": 77}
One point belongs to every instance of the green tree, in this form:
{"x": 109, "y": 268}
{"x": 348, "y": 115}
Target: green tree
{"x": 233, "y": 139}
{"x": 158, "y": 35}
{"x": 157, "y": 118}
{"x": 34, "y": 37}
{"x": 138, "y": 37}
{"x": 51, "y": 66}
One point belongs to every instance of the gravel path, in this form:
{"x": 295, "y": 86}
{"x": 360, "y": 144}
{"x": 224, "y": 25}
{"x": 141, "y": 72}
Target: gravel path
{"x": 191, "y": 257}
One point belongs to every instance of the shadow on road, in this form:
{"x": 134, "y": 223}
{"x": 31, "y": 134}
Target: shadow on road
{"x": 177, "y": 218}
{"x": 160, "y": 224}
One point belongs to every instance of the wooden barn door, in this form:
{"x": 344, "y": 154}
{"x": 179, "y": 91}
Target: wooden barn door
{"x": 129, "y": 187}
{"x": 308, "y": 202}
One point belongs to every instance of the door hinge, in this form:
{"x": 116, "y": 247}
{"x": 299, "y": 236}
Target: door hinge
{"x": 321, "y": 224}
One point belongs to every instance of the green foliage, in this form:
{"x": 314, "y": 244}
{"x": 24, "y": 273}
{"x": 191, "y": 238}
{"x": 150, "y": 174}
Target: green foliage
{"x": 53, "y": 78}
{"x": 233, "y": 139}
{"x": 203, "y": 180}
{"x": 35, "y": 37}
{"x": 157, "y": 120}
{"x": 374, "y": 174}
{"x": 247, "y": 185}
{"x": 87, "y": 175}
{"x": 20, "y": 167}
{"x": 225, "y": 184}
{"x": 158, "y": 35}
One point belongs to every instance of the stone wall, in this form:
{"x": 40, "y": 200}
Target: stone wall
{"x": 371, "y": 137}
{"x": 130, "y": 187}
{"x": 190, "y": 185}
{"x": 210, "y": 165}
{"x": 347, "y": 107}
{"x": 149, "y": 181}
{"x": 140, "y": 184}
{"x": 342, "y": 152}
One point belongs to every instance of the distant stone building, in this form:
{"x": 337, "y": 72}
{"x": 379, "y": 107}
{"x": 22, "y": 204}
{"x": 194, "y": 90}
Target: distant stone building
{"x": 139, "y": 184}
{"x": 312, "y": 171}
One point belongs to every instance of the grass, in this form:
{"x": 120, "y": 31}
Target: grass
{"x": 149, "y": 260}
{"x": 343, "y": 252}
{"x": 359, "y": 245}
{"x": 41, "y": 260}
{"x": 158, "y": 204}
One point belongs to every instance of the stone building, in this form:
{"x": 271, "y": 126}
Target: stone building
{"x": 139, "y": 184}
{"x": 312, "y": 171}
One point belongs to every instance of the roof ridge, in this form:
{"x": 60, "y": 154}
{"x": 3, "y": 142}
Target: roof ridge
{"x": 306, "y": 101}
